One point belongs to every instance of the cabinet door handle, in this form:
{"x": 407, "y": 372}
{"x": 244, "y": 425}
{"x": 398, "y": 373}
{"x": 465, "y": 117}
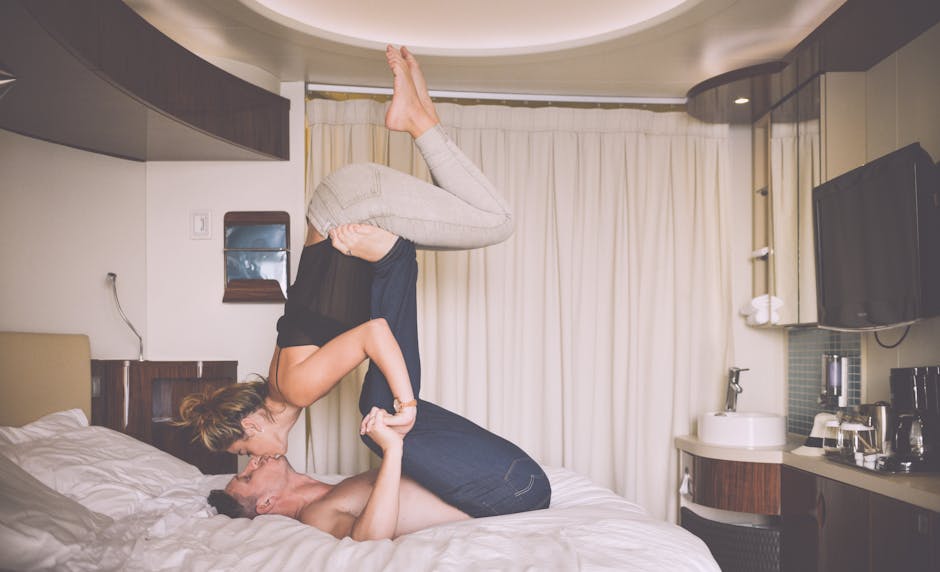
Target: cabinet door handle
{"x": 821, "y": 510}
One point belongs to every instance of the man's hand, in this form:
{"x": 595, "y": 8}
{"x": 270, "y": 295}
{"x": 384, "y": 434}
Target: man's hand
{"x": 375, "y": 425}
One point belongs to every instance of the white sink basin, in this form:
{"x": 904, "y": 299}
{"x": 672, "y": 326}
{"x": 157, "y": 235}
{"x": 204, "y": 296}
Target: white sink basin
{"x": 742, "y": 429}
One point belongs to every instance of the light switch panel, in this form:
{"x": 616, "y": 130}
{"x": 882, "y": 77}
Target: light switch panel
{"x": 200, "y": 227}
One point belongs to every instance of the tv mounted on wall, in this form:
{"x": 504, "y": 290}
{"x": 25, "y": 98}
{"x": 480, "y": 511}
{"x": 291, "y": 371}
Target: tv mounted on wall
{"x": 877, "y": 239}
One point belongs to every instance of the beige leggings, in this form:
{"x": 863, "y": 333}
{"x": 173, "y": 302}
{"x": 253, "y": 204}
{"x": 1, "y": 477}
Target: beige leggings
{"x": 462, "y": 210}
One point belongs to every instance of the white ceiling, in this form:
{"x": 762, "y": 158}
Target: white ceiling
{"x": 648, "y": 49}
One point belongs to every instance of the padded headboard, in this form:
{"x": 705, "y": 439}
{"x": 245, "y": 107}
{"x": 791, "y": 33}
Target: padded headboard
{"x": 42, "y": 374}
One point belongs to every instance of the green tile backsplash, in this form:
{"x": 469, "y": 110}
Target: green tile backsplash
{"x": 806, "y": 347}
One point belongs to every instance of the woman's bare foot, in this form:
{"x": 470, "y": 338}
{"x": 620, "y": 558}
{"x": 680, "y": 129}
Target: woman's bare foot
{"x": 406, "y": 112}
{"x": 363, "y": 241}
{"x": 421, "y": 86}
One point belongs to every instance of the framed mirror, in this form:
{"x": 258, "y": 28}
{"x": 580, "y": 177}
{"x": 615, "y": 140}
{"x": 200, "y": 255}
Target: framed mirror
{"x": 257, "y": 256}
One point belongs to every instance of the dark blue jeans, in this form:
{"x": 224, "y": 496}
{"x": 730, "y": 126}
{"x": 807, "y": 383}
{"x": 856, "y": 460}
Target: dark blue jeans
{"x": 465, "y": 465}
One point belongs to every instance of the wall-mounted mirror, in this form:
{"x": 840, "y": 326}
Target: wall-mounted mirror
{"x": 793, "y": 167}
{"x": 761, "y": 275}
{"x": 809, "y": 167}
{"x": 784, "y": 203}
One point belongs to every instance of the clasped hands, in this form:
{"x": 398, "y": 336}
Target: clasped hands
{"x": 386, "y": 429}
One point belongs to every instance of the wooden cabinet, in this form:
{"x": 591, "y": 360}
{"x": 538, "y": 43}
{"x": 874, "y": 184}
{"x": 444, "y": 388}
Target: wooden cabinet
{"x": 743, "y": 534}
{"x": 830, "y": 526}
{"x": 133, "y": 92}
{"x": 903, "y": 537}
{"x": 842, "y": 514}
{"x": 799, "y": 540}
{"x": 153, "y": 391}
{"x": 736, "y": 485}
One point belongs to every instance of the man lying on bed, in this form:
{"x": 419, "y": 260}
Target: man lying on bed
{"x": 369, "y": 506}
{"x": 463, "y": 470}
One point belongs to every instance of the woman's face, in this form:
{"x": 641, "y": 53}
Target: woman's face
{"x": 262, "y": 437}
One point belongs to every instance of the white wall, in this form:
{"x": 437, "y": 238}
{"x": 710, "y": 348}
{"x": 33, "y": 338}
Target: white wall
{"x": 903, "y": 106}
{"x": 185, "y": 314}
{"x": 69, "y": 217}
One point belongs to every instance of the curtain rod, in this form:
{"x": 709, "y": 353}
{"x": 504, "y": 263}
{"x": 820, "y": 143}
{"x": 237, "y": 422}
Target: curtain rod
{"x": 482, "y": 95}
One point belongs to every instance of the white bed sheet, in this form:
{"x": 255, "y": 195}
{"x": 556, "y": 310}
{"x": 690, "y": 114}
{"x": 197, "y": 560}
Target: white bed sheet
{"x": 74, "y": 497}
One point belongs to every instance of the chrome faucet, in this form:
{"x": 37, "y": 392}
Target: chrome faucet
{"x": 734, "y": 388}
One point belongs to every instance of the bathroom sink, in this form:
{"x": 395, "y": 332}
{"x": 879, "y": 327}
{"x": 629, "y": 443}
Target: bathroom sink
{"x": 742, "y": 429}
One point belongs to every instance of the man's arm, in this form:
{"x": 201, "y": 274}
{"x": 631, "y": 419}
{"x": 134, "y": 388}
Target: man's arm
{"x": 379, "y": 518}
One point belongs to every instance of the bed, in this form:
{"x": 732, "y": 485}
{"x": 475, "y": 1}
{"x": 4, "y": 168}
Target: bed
{"x": 81, "y": 497}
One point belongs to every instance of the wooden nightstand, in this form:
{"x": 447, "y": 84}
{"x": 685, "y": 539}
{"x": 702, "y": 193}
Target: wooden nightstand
{"x": 154, "y": 390}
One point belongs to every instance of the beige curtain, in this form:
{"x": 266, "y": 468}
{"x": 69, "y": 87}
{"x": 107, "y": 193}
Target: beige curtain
{"x": 590, "y": 336}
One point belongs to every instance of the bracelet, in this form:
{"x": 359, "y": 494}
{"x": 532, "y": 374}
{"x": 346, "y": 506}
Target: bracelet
{"x": 399, "y": 405}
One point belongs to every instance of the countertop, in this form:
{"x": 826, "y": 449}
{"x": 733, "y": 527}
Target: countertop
{"x": 922, "y": 490}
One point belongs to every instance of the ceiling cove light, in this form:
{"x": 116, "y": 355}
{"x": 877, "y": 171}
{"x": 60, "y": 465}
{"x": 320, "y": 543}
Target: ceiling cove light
{"x": 433, "y": 27}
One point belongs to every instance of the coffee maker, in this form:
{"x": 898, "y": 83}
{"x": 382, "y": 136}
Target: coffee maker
{"x": 915, "y": 399}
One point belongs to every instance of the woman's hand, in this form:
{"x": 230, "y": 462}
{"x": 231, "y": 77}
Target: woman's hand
{"x": 375, "y": 425}
{"x": 404, "y": 420}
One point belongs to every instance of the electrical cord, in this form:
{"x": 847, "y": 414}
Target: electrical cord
{"x": 897, "y": 343}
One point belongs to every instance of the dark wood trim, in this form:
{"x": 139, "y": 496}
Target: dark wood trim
{"x": 253, "y": 291}
{"x": 107, "y": 397}
{"x": 742, "y": 74}
{"x": 855, "y": 37}
{"x": 155, "y": 390}
{"x": 737, "y": 485}
{"x": 257, "y": 217}
{"x": 713, "y": 99}
{"x": 96, "y": 76}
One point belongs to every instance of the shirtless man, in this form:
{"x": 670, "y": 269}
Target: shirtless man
{"x": 377, "y": 504}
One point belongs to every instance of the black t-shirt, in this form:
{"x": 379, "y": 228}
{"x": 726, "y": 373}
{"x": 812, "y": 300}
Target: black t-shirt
{"x": 330, "y": 295}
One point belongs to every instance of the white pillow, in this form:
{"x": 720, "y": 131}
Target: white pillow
{"x": 52, "y": 424}
{"x": 40, "y": 528}
{"x": 106, "y": 471}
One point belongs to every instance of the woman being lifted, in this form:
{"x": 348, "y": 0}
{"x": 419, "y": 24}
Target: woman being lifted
{"x": 326, "y": 329}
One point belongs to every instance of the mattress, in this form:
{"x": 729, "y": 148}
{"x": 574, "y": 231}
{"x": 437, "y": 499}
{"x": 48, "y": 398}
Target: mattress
{"x": 80, "y": 497}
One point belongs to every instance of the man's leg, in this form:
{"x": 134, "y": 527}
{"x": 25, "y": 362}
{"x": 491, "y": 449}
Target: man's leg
{"x": 468, "y": 467}
{"x": 471, "y": 468}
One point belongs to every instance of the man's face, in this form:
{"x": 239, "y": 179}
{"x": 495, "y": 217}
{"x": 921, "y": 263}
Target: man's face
{"x": 261, "y": 479}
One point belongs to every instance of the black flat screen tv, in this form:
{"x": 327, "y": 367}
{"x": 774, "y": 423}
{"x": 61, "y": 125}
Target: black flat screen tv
{"x": 877, "y": 243}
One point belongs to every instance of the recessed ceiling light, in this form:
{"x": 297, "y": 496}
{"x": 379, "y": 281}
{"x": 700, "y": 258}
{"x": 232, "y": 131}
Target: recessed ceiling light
{"x": 741, "y": 100}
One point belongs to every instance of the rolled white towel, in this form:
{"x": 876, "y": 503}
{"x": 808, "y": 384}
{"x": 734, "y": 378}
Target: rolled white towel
{"x": 763, "y": 302}
{"x": 761, "y": 317}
